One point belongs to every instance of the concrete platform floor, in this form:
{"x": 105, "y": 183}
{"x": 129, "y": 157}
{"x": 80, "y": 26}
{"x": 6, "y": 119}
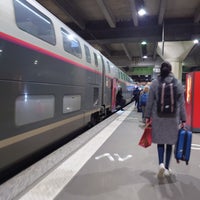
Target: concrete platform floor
{"x": 112, "y": 166}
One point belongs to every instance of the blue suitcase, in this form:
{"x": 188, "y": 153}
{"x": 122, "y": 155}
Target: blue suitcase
{"x": 183, "y": 146}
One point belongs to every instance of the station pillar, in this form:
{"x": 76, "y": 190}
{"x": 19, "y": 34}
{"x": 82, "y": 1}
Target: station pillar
{"x": 175, "y": 53}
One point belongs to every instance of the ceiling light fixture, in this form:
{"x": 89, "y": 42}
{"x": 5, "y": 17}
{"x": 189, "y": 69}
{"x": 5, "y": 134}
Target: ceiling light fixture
{"x": 142, "y": 12}
{"x": 140, "y": 7}
{"x": 196, "y": 41}
{"x": 144, "y": 49}
{"x": 143, "y": 43}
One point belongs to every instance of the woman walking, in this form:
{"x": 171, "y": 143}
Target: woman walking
{"x": 165, "y": 126}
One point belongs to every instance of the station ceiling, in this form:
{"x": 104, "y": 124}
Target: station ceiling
{"x": 115, "y": 28}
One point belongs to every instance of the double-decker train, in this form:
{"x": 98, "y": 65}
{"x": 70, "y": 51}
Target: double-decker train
{"x": 52, "y": 82}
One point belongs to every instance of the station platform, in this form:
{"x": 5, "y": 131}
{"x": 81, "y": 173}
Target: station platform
{"x": 108, "y": 164}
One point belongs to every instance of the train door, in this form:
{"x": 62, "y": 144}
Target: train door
{"x": 114, "y": 90}
{"x": 103, "y": 82}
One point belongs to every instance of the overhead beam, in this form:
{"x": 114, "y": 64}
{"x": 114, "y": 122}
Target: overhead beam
{"x": 105, "y": 50}
{"x": 151, "y": 33}
{"x": 107, "y": 13}
{"x": 134, "y": 12}
{"x": 67, "y": 7}
{"x": 162, "y": 11}
{"x": 126, "y": 51}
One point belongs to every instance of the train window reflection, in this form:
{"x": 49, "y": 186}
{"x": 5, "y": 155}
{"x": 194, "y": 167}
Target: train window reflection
{"x": 87, "y": 54}
{"x": 108, "y": 66}
{"x": 31, "y": 20}
{"x": 33, "y": 108}
{"x": 71, "y": 103}
{"x": 96, "y": 97}
{"x": 95, "y": 60}
{"x": 71, "y": 44}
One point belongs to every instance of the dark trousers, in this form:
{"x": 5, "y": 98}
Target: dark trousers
{"x": 143, "y": 111}
{"x": 161, "y": 152}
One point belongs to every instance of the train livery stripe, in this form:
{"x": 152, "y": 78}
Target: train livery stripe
{"x": 44, "y": 51}
{"x": 38, "y": 131}
{"x": 49, "y": 53}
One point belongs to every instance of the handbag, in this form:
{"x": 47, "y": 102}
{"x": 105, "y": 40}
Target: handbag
{"x": 146, "y": 139}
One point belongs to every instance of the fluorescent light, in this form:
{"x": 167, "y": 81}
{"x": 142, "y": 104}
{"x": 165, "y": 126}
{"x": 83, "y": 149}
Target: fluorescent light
{"x": 142, "y": 12}
{"x": 196, "y": 41}
{"x": 143, "y": 42}
{"x": 145, "y": 57}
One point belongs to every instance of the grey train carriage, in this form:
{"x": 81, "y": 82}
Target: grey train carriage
{"x": 52, "y": 82}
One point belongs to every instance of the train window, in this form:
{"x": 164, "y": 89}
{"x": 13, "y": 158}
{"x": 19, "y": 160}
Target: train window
{"x": 71, "y": 103}
{"x": 33, "y": 108}
{"x": 96, "y": 96}
{"x": 108, "y": 66}
{"x": 99, "y": 60}
{"x": 103, "y": 64}
{"x": 71, "y": 44}
{"x": 118, "y": 73}
{"x": 87, "y": 53}
{"x": 31, "y": 20}
{"x": 95, "y": 59}
{"x": 121, "y": 75}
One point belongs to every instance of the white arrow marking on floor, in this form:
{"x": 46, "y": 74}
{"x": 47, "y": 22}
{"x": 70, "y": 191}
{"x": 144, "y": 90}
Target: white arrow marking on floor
{"x": 112, "y": 159}
{"x": 195, "y": 146}
{"x": 105, "y": 155}
{"x": 53, "y": 184}
{"x": 122, "y": 159}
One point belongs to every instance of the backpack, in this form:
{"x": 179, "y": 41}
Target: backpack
{"x": 143, "y": 99}
{"x": 167, "y": 99}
